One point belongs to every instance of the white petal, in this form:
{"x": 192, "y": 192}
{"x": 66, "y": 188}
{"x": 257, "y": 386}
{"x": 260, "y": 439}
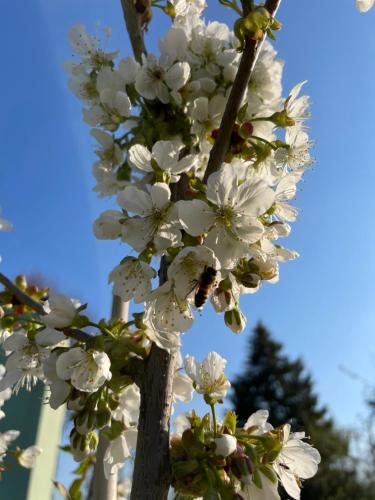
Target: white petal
{"x": 182, "y": 387}
{"x": 122, "y": 103}
{"x": 49, "y": 337}
{"x": 196, "y": 216}
{"x": 178, "y": 75}
{"x": 67, "y": 361}
{"x": 160, "y": 195}
{"x": 135, "y": 200}
{"x": 222, "y": 186}
{"x": 28, "y": 457}
{"x": 254, "y": 198}
{"x": 140, "y": 157}
{"x": 129, "y": 68}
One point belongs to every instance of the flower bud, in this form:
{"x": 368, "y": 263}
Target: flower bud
{"x": 225, "y": 445}
{"x": 235, "y": 320}
{"x": 21, "y": 281}
{"x": 85, "y": 422}
{"x": 170, "y": 10}
{"x": 281, "y": 119}
{"x": 246, "y": 130}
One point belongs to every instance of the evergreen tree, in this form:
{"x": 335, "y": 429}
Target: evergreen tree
{"x": 274, "y": 382}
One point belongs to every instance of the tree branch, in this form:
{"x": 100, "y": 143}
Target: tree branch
{"x": 151, "y": 477}
{"x": 24, "y": 298}
{"x": 133, "y": 21}
{"x": 245, "y": 69}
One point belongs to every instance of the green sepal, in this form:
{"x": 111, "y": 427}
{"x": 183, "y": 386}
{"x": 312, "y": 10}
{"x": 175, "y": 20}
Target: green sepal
{"x": 242, "y": 112}
{"x": 230, "y": 421}
{"x": 193, "y": 446}
{"x": 185, "y": 468}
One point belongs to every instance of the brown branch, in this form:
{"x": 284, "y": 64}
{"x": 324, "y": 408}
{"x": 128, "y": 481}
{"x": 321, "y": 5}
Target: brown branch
{"x": 133, "y": 21}
{"x": 24, "y": 298}
{"x": 151, "y": 477}
{"x": 245, "y": 69}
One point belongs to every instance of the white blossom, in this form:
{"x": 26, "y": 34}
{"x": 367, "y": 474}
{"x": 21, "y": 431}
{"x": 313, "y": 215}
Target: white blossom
{"x": 112, "y": 93}
{"x": 208, "y": 377}
{"x": 27, "y": 457}
{"x": 61, "y": 311}
{"x": 296, "y": 460}
{"x": 158, "y": 79}
{"x": 24, "y": 364}
{"x": 165, "y": 155}
{"x": 132, "y": 280}
{"x": 364, "y": 5}
{"x": 232, "y": 222}
{"x": 86, "y": 370}
{"x": 206, "y": 114}
{"x": 166, "y": 316}
{"x": 298, "y": 152}
{"x": 107, "y": 226}
{"x": 154, "y": 220}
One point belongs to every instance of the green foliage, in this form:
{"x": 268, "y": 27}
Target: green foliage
{"x": 274, "y": 382}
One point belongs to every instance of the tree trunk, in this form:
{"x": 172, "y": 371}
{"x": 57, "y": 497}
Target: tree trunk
{"x": 151, "y": 476}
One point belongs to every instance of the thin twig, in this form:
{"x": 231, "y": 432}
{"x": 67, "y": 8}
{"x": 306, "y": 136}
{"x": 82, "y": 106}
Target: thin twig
{"x": 24, "y": 298}
{"x": 245, "y": 69}
{"x": 133, "y": 21}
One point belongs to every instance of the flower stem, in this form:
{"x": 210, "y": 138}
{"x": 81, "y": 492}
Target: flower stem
{"x": 214, "y": 418}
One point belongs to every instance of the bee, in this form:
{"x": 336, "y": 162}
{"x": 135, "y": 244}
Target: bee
{"x": 204, "y": 285}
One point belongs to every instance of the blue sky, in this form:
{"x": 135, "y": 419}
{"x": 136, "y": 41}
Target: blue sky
{"x": 323, "y": 307}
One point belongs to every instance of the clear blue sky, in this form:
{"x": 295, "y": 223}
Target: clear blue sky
{"x": 323, "y": 307}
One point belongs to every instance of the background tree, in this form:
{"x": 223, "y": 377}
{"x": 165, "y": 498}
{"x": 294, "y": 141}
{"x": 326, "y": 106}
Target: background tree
{"x": 274, "y": 382}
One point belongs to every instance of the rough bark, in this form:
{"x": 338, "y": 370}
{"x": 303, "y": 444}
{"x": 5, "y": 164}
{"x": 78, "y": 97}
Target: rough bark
{"x": 151, "y": 477}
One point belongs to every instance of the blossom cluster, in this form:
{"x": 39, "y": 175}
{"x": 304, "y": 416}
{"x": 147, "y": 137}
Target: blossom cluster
{"x": 155, "y": 123}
